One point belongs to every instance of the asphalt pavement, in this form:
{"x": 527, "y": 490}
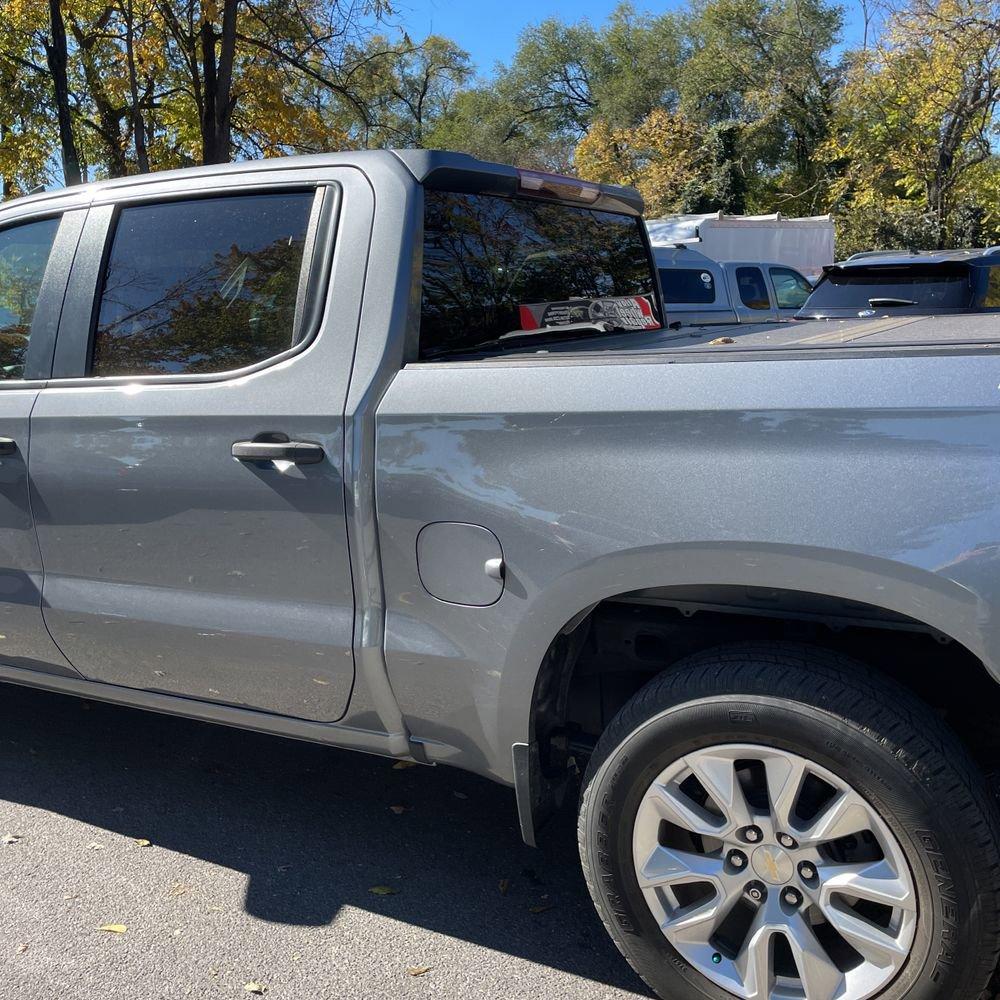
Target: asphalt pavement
{"x": 222, "y": 861}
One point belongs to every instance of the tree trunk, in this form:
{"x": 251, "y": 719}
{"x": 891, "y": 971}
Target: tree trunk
{"x": 56, "y": 54}
{"x": 138, "y": 126}
{"x": 217, "y": 79}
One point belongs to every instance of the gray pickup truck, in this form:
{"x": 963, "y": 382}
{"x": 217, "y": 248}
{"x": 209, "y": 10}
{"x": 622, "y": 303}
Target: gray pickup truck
{"x": 391, "y": 451}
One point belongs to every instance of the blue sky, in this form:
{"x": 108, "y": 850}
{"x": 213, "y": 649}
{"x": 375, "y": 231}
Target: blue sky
{"x": 488, "y": 29}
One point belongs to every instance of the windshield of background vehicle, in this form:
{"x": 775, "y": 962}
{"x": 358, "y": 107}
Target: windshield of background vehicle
{"x": 929, "y": 287}
{"x": 499, "y": 267}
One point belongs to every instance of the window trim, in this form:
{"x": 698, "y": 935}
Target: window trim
{"x": 74, "y": 345}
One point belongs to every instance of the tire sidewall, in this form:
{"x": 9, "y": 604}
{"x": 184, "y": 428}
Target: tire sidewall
{"x": 943, "y": 948}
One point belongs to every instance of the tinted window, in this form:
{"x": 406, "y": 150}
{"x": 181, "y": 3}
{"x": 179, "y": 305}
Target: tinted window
{"x": 992, "y": 299}
{"x": 790, "y": 289}
{"x": 753, "y": 291}
{"x": 500, "y": 266}
{"x": 682, "y": 285}
{"x": 914, "y": 286}
{"x": 24, "y": 252}
{"x": 201, "y": 286}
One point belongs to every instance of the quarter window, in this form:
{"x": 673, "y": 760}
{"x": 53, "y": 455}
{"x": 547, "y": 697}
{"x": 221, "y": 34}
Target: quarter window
{"x": 790, "y": 289}
{"x": 24, "y": 254}
{"x": 208, "y": 285}
{"x": 753, "y": 291}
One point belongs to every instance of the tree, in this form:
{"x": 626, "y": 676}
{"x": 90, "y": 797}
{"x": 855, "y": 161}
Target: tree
{"x": 766, "y": 67}
{"x": 918, "y": 114}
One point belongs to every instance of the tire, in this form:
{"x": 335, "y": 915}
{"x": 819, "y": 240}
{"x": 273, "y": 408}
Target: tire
{"x": 850, "y": 725}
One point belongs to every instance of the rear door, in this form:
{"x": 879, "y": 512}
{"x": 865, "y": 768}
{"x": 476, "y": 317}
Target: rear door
{"x": 188, "y": 455}
{"x": 35, "y": 256}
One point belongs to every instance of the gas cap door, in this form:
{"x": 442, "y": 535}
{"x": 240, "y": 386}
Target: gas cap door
{"x": 460, "y": 563}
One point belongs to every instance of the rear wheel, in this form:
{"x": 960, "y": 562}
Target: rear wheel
{"x": 774, "y": 821}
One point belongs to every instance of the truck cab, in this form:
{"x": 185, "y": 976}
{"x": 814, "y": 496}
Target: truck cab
{"x": 698, "y": 290}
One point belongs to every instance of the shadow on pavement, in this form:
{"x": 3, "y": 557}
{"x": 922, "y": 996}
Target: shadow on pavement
{"x": 311, "y": 826}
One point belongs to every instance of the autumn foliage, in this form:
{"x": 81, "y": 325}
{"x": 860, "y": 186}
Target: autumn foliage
{"x": 738, "y": 105}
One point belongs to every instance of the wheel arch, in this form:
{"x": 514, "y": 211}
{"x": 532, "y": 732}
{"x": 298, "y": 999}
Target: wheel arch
{"x": 542, "y": 657}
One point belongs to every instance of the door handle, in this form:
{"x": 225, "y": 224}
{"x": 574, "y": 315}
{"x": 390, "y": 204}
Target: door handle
{"x": 298, "y": 452}
{"x": 8, "y": 446}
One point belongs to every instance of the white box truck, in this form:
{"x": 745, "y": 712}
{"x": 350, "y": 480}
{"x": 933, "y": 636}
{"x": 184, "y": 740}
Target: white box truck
{"x": 806, "y": 244}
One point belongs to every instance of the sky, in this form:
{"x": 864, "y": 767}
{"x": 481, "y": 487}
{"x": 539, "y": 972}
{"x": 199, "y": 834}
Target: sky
{"x": 488, "y": 29}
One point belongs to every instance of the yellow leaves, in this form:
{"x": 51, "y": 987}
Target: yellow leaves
{"x": 418, "y": 970}
{"x": 8, "y": 839}
{"x": 258, "y": 989}
{"x": 142, "y": 842}
{"x": 658, "y": 156}
{"x": 383, "y": 890}
{"x": 113, "y": 928}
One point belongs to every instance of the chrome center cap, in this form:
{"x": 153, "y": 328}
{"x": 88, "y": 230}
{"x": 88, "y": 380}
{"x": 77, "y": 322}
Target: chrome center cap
{"x": 772, "y": 864}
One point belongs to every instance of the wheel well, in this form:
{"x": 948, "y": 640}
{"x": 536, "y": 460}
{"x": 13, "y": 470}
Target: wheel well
{"x": 604, "y": 655}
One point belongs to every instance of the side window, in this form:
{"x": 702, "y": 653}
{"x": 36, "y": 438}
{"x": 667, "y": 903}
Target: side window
{"x": 753, "y": 291}
{"x": 206, "y": 285}
{"x": 682, "y": 285}
{"x": 992, "y": 300}
{"x": 24, "y": 253}
{"x": 790, "y": 288}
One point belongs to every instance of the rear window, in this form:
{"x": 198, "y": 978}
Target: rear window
{"x": 498, "y": 271}
{"x": 683, "y": 285}
{"x": 908, "y": 286}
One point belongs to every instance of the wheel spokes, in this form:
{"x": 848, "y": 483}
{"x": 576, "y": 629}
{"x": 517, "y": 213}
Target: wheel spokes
{"x": 875, "y": 882}
{"x": 676, "y": 807}
{"x": 755, "y": 962}
{"x": 844, "y": 815}
{"x": 773, "y": 876}
{"x": 667, "y": 866}
{"x": 821, "y": 979}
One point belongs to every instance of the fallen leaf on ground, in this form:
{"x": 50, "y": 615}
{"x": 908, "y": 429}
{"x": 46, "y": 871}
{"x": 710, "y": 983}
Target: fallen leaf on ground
{"x": 460, "y": 795}
{"x": 142, "y": 842}
{"x": 179, "y": 889}
{"x": 94, "y": 846}
{"x": 418, "y": 970}
{"x": 257, "y": 988}
{"x": 399, "y": 810}
{"x": 504, "y": 886}
{"x": 541, "y": 908}
{"x": 402, "y": 765}
{"x": 21, "y": 949}
{"x": 721, "y": 340}
{"x": 11, "y": 838}
{"x": 113, "y": 928}
{"x": 383, "y": 890}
